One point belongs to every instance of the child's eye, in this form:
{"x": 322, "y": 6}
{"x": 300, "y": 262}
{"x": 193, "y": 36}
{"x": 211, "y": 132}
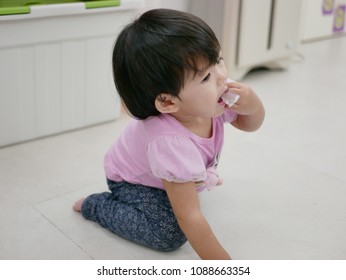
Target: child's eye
{"x": 219, "y": 60}
{"x": 206, "y": 78}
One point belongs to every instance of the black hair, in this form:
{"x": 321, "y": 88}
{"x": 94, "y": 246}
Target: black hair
{"x": 154, "y": 54}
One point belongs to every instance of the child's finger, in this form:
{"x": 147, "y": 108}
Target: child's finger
{"x": 234, "y": 107}
{"x": 234, "y": 85}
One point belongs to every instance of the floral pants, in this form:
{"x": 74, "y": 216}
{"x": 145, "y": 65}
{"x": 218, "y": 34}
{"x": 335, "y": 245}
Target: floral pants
{"x": 138, "y": 213}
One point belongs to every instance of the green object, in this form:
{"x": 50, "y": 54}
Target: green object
{"x": 101, "y": 4}
{"x": 14, "y": 10}
{"x": 11, "y": 7}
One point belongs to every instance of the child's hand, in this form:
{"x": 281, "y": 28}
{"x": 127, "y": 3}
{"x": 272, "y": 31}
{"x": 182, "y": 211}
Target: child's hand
{"x": 212, "y": 180}
{"x": 248, "y": 102}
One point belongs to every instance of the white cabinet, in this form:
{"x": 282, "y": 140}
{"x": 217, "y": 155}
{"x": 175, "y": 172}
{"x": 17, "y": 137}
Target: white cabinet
{"x": 55, "y": 69}
{"x": 253, "y": 33}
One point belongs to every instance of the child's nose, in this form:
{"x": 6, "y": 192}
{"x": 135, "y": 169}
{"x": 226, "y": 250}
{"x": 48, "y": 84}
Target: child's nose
{"x": 222, "y": 74}
{"x": 222, "y": 78}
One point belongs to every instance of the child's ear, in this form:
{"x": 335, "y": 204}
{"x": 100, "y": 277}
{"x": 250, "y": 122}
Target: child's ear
{"x": 166, "y": 103}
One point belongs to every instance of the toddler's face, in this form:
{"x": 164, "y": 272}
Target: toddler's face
{"x": 201, "y": 95}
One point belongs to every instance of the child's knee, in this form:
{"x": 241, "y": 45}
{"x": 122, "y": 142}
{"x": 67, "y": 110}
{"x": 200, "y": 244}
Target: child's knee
{"x": 171, "y": 244}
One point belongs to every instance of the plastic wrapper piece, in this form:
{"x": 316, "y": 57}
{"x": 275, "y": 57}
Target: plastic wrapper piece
{"x": 229, "y": 97}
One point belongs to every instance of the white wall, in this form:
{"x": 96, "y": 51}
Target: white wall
{"x": 182, "y": 5}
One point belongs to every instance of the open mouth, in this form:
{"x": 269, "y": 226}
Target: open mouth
{"x": 220, "y": 101}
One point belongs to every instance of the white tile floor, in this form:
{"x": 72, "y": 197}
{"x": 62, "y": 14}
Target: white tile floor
{"x": 284, "y": 192}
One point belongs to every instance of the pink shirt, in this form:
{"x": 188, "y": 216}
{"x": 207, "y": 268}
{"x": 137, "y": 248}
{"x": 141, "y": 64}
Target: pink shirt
{"x": 161, "y": 148}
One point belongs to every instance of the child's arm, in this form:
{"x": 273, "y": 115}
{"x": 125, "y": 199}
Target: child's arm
{"x": 185, "y": 203}
{"x": 249, "y": 108}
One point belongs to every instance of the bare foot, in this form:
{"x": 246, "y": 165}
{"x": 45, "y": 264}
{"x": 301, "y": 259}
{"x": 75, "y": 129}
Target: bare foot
{"x": 78, "y": 205}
